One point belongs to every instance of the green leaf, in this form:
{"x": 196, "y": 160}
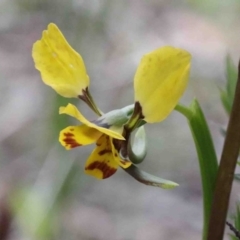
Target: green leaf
{"x": 138, "y": 150}
{"x": 206, "y": 154}
{"x": 149, "y": 179}
{"x": 231, "y": 78}
{"x": 227, "y": 95}
{"x": 225, "y": 101}
{"x": 236, "y": 218}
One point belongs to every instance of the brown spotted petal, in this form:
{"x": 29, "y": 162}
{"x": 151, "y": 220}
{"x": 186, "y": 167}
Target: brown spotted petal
{"x": 75, "y": 136}
{"x": 101, "y": 163}
{"x": 74, "y": 112}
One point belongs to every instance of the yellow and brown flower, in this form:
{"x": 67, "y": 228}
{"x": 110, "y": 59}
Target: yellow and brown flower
{"x": 104, "y": 160}
{"x": 160, "y": 81}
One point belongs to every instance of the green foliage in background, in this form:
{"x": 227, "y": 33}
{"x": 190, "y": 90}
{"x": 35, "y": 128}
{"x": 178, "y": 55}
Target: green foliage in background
{"x": 227, "y": 94}
{"x": 236, "y": 219}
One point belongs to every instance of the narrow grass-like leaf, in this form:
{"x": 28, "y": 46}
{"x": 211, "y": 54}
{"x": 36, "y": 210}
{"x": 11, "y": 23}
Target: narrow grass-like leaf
{"x": 236, "y": 218}
{"x": 227, "y": 94}
{"x": 231, "y": 78}
{"x": 206, "y": 154}
{"x": 225, "y": 101}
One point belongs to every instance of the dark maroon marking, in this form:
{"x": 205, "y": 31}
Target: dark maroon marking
{"x": 138, "y": 110}
{"x": 103, "y": 167}
{"x": 104, "y": 151}
{"x": 84, "y": 96}
{"x": 117, "y": 144}
{"x": 120, "y": 145}
{"x": 70, "y": 141}
{"x": 68, "y": 134}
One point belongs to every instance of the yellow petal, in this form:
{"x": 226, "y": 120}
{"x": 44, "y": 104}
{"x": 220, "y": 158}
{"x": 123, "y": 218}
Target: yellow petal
{"x": 124, "y": 163}
{"x": 101, "y": 163}
{"x": 75, "y": 136}
{"x": 73, "y": 111}
{"x": 160, "y": 81}
{"x": 60, "y": 66}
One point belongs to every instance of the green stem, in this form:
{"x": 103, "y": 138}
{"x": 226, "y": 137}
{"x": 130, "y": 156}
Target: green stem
{"x": 226, "y": 170}
{"x": 184, "y": 110}
{"x": 206, "y": 155}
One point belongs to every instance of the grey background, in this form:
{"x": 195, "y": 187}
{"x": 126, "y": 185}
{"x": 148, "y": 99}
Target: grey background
{"x": 42, "y": 185}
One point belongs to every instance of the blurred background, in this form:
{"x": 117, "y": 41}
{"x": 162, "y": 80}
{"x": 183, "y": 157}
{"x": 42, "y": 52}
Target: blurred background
{"x": 44, "y": 193}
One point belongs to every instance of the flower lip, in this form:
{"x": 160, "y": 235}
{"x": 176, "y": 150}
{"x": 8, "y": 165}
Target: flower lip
{"x": 103, "y": 167}
{"x": 101, "y": 163}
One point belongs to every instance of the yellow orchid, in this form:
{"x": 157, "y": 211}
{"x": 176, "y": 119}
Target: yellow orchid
{"x": 160, "y": 80}
{"x": 104, "y": 160}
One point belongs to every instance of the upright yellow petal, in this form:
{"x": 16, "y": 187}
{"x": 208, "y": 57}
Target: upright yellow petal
{"x": 73, "y": 111}
{"x": 101, "y": 163}
{"x": 76, "y": 136}
{"x": 60, "y": 66}
{"x": 160, "y": 81}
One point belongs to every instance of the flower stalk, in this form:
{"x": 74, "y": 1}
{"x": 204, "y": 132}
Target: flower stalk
{"x": 226, "y": 170}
